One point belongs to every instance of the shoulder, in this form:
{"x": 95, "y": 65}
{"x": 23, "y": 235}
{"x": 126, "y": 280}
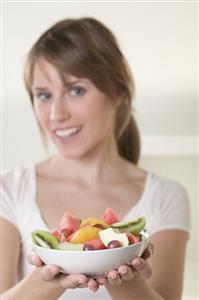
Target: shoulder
{"x": 167, "y": 194}
{"x": 16, "y": 172}
{"x": 13, "y": 178}
{"x": 162, "y": 194}
{"x": 169, "y": 203}
{"x": 13, "y": 188}
{"x": 167, "y": 187}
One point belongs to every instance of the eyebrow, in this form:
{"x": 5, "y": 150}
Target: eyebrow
{"x": 67, "y": 84}
{"x": 39, "y": 89}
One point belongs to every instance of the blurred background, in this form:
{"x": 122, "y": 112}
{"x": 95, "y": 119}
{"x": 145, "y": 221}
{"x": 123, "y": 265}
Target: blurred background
{"x": 160, "y": 43}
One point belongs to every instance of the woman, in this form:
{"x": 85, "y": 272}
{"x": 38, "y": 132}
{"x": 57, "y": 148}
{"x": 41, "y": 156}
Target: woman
{"x": 81, "y": 89}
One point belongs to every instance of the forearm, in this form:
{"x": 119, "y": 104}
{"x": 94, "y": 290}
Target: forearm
{"x": 135, "y": 289}
{"x": 33, "y": 287}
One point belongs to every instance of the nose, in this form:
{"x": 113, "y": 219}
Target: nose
{"x": 58, "y": 112}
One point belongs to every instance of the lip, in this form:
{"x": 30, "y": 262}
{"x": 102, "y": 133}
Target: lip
{"x": 68, "y": 139}
{"x": 67, "y": 127}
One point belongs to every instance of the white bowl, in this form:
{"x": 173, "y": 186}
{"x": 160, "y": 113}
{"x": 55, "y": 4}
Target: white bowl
{"x": 91, "y": 263}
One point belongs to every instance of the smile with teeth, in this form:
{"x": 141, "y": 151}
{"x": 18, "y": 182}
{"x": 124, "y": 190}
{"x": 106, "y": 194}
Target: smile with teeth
{"x": 67, "y": 132}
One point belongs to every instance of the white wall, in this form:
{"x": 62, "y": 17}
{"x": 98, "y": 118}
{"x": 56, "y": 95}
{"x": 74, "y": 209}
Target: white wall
{"x": 160, "y": 42}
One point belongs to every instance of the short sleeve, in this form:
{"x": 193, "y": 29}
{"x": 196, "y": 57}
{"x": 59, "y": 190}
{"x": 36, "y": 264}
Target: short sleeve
{"x": 8, "y": 194}
{"x": 172, "y": 208}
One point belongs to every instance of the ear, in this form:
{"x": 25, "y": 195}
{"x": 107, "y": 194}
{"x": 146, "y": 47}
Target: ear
{"x": 119, "y": 99}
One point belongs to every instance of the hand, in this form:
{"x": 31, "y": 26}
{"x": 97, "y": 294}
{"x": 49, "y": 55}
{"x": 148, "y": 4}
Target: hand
{"x": 138, "y": 265}
{"x": 71, "y": 281}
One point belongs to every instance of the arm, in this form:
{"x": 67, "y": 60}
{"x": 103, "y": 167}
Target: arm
{"x": 45, "y": 282}
{"x": 10, "y": 245}
{"x": 167, "y": 264}
{"x": 31, "y": 287}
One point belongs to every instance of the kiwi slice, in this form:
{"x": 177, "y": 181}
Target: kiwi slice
{"x": 38, "y": 241}
{"x": 44, "y": 239}
{"x": 69, "y": 246}
{"x": 134, "y": 226}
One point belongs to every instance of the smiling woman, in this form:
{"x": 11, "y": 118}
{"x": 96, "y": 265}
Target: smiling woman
{"x": 81, "y": 91}
{"x": 75, "y": 115}
{"x": 104, "y": 66}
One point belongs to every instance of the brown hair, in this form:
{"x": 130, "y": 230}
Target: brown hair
{"x": 86, "y": 48}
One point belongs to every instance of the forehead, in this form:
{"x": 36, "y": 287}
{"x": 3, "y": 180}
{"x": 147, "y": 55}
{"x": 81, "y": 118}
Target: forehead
{"x": 45, "y": 73}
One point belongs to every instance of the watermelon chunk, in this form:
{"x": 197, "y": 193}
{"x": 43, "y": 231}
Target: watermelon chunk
{"x": 71, "y": 236}
{"x": 97, "y": 244}
{"x": 68, "y": 224}
{"x": 55, "y": 233}
{"x": 132, "y": 238}
{"x": 65, "y": 233}
{"x": 63, "y": 239}
{"x": 110, "y": 216}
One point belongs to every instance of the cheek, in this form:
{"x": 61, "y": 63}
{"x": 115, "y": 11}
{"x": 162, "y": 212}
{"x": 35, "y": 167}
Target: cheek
{"x": 99, "y": 117}
{"x": 40, "y": 115}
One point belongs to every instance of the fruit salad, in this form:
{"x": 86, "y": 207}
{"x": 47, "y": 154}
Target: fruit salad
{"x": 107, "y": 232}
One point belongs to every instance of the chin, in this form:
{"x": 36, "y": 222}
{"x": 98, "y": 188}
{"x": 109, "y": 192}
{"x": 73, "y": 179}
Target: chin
{"x": 79, "y": 152}
{"x": 72, "y": 154}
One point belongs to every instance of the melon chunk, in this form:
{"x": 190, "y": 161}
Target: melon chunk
{"x": 111, "y": 234}
{"x": 110, "y": 216}
{"x": 95, "y": 223}
{"x": 85, "y": 234}
{"x": 68, "y": 222}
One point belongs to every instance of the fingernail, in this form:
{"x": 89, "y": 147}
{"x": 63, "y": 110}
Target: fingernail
{"x": 53, "y": 270}
{"x": 94, "y": 289}
{"x": 125, "y": 271}
{"x": 82, "y": 281}
{"x": 137, "y": 262}
{"x": 33, "y": 259}
{"x": 114, "y": 276}
{"x": 151, "y": 248}
{"x": 150, "y": 251}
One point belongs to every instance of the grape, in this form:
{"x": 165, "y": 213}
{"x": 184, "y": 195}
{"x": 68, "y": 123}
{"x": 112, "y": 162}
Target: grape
{"x": 99, "y": 226}
{"x": 113, "y": 244}
{"x": 88, "y": 247}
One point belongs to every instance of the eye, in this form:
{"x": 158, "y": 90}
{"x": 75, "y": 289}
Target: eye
{"x": 76, "y": 91}
{"x": 43, "y": 96}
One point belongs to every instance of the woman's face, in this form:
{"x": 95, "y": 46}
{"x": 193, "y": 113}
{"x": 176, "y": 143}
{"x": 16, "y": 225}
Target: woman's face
{"x": 77, "y": 116}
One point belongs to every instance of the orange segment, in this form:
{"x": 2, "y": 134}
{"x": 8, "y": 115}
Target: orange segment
{"x": 85, "y": 234}
{"x": 94, "y": 221}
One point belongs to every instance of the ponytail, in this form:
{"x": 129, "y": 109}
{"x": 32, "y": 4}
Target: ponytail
{"x": 129, "y": 142}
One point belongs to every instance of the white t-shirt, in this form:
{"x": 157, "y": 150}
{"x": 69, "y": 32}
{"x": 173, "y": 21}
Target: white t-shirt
{"x": 164, "y": 203}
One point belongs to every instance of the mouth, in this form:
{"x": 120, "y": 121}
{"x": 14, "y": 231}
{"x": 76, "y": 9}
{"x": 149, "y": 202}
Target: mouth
{"x": 67, "y": 133}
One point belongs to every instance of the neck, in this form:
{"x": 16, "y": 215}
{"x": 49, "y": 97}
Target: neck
{"x": 98, "y": 166}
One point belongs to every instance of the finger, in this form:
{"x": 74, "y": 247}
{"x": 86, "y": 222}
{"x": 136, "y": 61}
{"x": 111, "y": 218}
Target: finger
{"x": 148, "y": 251}
{"x": 29, "y": 258}
{"x": 127, "y": 273}
{"x": 33, "y": 259}
{"x": 48, "y": 272}
{"x": 72, "y": 281}
{"x": 141, "y": 266}
{"x": 114, "y": 277}
{"x": 93, "y": 285}
{"x": 101, "y": 280}
{"x": 81, "y": 286}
